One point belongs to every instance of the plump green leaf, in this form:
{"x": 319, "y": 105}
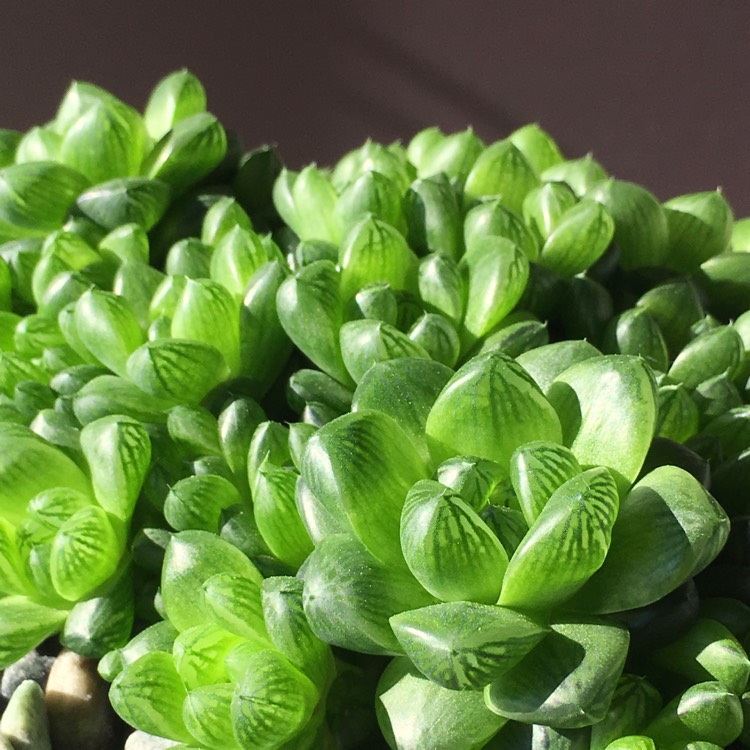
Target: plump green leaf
{"x": 700, "y": 226}
{"x": 311, "y": 311}
{"x": 207, "y": 715}
{"x": 365, "y": 343}
{"x": 24, "y": 624}
{"x": 545, "y": 206}
{"x": 487, "y": 409}
{"x": 196, "y": 502}
{"x": 35, "y": 197}
{"x": 600, "y": 399}
{"x": 148, "y": 694}
{"x": 234, "y": 603}
{"x": 635, "y": 331}
{"x": 537, "y": 146}
{"x": 207, "y": 312}
{"x": 108, "y": 328}
{"x": 565, "y": 545}
{"x": 404, "y": 389}
{"x": 375, "y": 251}
{"x": 415, "y": 713}
{"x": 13, "y": 576}
{"x": 108, "y": 395}
{"x": 192, "y": 557}
{"x": 496, "y": 272}
{"x": 97, "y": 625}
{"x": 371, "y": 193}
{"x": 118, "y": 451}
{"x": 706, "y": 712}
{"x": 714, "y": 352}
{"x": 641, "y": 230}
{"x": 537, "y": 470}
{"x": 634, "y": 703}
{"x": 707, "y": 651}
{"x": 501, "y": 170}
{"x": 463, "y": 645}
{"x": 290, "y": 631}
{"x": 277, "y": 517}
{"x": 85, "y": 553}
{"x": 349, "y": 596}
{"x": 28, "y": 466}
{"x": 434, "y": 217}
{"x": 447, "y": 546}
{"x": 272, "y": 702}
{"x": 188, "y": 152}
{"x": 442, "y": 286}
{"x": 200, "y": 654}
{"x": 568, "y": 680}
{"x": 491, "y": 218}
{"x": 125, "y": 200}
{"x": 360, "y": 467}
{"x": 580, "y": 174}
{"x": 178, "y": 370}
{"x": 579, "y": 240}
{"x": 668, "y": 529}
{"x": 175, "y": 97}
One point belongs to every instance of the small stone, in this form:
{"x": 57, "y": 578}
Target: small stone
{"x": 24, "y": 722}
{"x": 80, "y": 717}
{"x": 144, "y": 741}
{"x": 33, "y": 666}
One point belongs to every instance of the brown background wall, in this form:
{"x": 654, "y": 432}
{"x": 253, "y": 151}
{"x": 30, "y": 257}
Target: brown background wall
{"x": 659, "y": 91}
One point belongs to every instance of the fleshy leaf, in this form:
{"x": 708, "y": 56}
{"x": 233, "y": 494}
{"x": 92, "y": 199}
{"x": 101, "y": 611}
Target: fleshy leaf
{"x": 188, "y": 152}
{"x": 175, "y": 97}
{"x": 349, "y": 596}
{"x": 177, "y": 369}
{"x": 311, "y": 311}
{"x": 108, "y": 328}
{"x": 148, "y": 694}
{"x": 360, "y": 466}
{"x": 192, "y": 557}
{"x": 118, "y": 451}
{"x": 635, "y": 702}
{"x": 447, "y": 546}
{"x": 85, "y": 553}
{"x": 375, "y": 251}
{"x": 496, "y": 272}
{"x": 272, "y": 702}
{"x": 434, "y": 217}
{"x": 641, "y": 230}
{"x": 537, "y": 470}
{"x": 579, "y": 240}
{"x": 234, "y": 603}
{"x": 365, "y": 343}
{"x": 501, "y": 170}
{"x": 27, "y": 466}
{"x": 598, "y": 401}
{"x": 706, "y": 712}
{"x": 487, "y": 409}
{"x": 196, "y": 502}
{"x": 568, "y": 680}
{"x": 23, "y": 625}
{"x": 277, "y": 517}
{"x": 565, "y": 545}
{"x": 207, "y": 714}
{"x": 404, "y": 389}
{"x": 125, "y": 200}
{"x": 463, "y": 645}
{"x": 668, "y": 529}
{"x": 290, "y": 631}
{"x": 200, "y": 653}
{"x": 415, "y": 713}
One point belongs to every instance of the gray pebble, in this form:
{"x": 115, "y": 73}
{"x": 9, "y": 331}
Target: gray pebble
{"x": 144, "y": 741}
{"x": 33, "y": 666}
{"x": 80, "y": 717}
{"x": 24, "y": 721}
